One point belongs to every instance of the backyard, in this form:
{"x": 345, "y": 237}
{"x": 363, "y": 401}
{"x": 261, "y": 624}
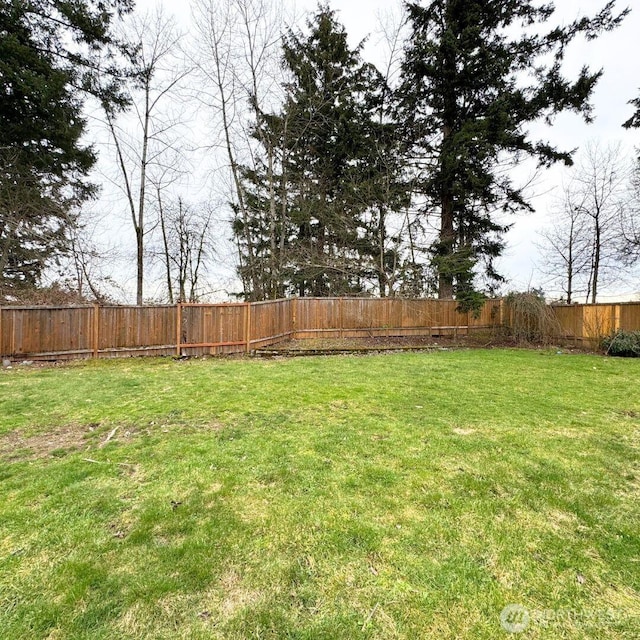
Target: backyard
{"x": 408, "y": 495}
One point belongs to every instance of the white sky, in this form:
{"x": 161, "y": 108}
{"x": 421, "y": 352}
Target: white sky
{"x": 615, "y": 52}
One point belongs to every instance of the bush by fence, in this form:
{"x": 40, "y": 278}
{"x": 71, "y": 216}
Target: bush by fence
{"x": 625, "y": 344}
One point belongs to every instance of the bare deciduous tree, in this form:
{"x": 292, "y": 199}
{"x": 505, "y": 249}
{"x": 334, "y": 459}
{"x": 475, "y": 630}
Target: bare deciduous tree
{"x": 238, "y": 59}
{"x": 599, "y": 181}
{"x": 186, "y": 247}
{"x": 566, "y": 248}
{"x": 630, "y": 220}
{"x": 152, "y": 144}
{"x": 583, "y": 246}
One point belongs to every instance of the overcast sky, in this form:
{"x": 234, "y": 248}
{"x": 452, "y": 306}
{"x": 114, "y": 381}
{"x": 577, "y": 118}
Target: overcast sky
{"x": 616, "y": 52}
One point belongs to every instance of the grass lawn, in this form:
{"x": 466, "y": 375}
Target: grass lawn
{"x": 408, "y": 496}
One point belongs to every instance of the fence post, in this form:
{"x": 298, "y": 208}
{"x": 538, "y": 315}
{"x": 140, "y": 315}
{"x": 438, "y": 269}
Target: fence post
{"x": 96, "y": 329}
{"x": 178, "y": 329}
{"x": 294, "y": 319}
{"x": 341, "y": 317}
{"x": 13, "y": 333}
{"x": 385, "y": 316}
{"x": 247, "y": 327}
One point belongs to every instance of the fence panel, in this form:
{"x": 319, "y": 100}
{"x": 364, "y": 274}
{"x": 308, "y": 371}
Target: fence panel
{"x": 490, "y": 316}
{"x": 60, "y": 332}
{"x": 569, "y": 321}
{"x": 77, "y": 332}
{"x": 589, "y": 323}
{"x": 598, "y": 321}
{"x": 271, "y": 322}
{"x": 371, "y": 317}
{"x": 629, "y": 317}
{"x": 136, "y": 330}
{"x": 315, "y": 320}
{"x": 364, "y": 317}
{"x": 212, "y": 329}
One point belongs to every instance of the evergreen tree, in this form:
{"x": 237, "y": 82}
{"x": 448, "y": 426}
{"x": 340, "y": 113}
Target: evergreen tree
{"x": 317, "y": 232}
{"x": 634, "y": 120}
{"x": 470, "y": 88}
{"x": 48, "y": 55}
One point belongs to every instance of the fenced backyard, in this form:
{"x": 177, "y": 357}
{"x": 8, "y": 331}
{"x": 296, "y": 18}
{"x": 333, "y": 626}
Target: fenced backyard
{"x": 383, "y": 498}
{"x": 400, "y": 496}
{"x": 211, "y": 329}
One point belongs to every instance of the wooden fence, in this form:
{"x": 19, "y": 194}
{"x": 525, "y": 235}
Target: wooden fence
{"x": 390, "y": 317}
{"x": 199, "y": 329}
{"x": 589, "y": 323}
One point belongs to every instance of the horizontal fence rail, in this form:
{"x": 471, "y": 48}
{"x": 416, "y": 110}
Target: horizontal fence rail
{"x": 210, "y": 329}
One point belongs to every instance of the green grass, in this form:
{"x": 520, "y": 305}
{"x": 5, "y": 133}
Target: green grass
{"x": 401, "y": 496}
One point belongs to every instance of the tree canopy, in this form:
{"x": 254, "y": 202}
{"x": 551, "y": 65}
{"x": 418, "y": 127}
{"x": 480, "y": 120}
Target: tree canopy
{"x": 476, "y": 73}
{"x": 325, "y": 142}
{"x": 634, "y": 120}
{"x": 340, "y": 179}
{"x": 49, "y": 56}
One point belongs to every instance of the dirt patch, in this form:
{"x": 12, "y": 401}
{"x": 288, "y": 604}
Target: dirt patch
{"x": 16, "y": 445}
{"x": 60, "y": 441}
{"x": 25, "y": 365}
{"x": 236, "y": 596}
{"x": 463, "y": 432}
{"x": 361, "y": 346}
{"x": 474, "y": 340}
{"x": 372, "y": 343}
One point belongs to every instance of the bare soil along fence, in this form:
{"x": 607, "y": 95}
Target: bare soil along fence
{"x": 209, "y": 329}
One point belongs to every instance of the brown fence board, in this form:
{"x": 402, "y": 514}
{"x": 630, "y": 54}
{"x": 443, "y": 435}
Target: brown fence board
{"x": 27, "y": 332}
{"x": 136, "y": 328}
{"x": 386, "y": 317}
{"x": 630, "y": 317}
{"x": 569, "y": 320}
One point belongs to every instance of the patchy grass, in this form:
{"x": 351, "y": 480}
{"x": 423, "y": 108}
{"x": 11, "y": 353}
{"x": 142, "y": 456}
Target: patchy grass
{"x": 401, "y": 496}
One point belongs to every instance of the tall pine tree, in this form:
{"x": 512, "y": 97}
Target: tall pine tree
{"x": 318, "y": 232}
{"x": 48, "y": 55}
{"x": 476, "y": 73}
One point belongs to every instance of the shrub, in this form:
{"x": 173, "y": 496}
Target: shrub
{"x": 529, "y": 317}
{"x": 625, "y": 344}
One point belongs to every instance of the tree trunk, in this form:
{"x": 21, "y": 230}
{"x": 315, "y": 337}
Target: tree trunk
{"x": 447, "y": 162}
{"x": 596, "y": 262}
{"x": 140, "y": 265}
{"x": 165, "y": 244}
{"x": 141, "y": 196}
{"x": 447, "y": 241}
{"x": 274, "y": 275}
{"x": 10, "y": 231}
{"x": 382, "y": 238}
{"x": 570, "y": 261}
